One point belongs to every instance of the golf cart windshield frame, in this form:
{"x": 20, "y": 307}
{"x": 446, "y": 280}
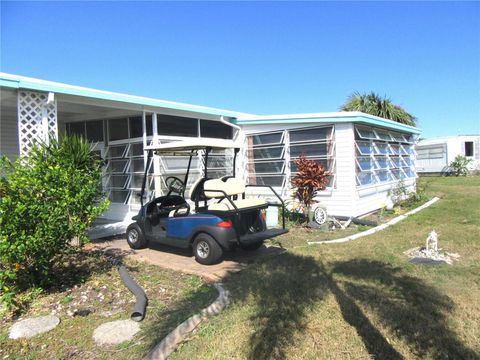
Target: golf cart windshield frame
{"x": 186, "y": 148}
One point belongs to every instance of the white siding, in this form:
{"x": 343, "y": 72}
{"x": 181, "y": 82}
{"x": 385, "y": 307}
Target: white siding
{"x": 345, "y": 199}
{"x": 341, "y": 200}
{"x": 374, "y": 197}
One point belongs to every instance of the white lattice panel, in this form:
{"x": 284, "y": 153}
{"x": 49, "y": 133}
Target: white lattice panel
{"x": 37, "y": 120}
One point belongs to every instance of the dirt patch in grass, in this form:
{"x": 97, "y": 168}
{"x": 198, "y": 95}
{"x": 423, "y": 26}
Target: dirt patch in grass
{"x": 89, "y": 293}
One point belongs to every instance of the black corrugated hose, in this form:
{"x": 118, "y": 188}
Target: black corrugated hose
{"x": 140, "y": 307}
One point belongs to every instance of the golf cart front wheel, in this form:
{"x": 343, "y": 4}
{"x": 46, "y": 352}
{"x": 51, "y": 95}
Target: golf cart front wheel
{"x": 135, "y": 238}
{"x": 206, "y": 250}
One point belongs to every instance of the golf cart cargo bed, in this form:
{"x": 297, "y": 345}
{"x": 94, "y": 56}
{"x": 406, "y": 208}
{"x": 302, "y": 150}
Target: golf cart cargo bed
{"x": 260, "y": 236}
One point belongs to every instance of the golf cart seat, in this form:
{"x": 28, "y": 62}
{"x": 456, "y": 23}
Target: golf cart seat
{"x": 218, "y": 189}
{"x": 179, "y": 212}
{"x": 196, "y": 191}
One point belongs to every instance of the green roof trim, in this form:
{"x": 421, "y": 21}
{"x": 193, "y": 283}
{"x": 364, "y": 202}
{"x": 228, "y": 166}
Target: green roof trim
{"x": 346, "y": 117}
{"x": 27, "y": 83}
{"x": 20, "y": 82}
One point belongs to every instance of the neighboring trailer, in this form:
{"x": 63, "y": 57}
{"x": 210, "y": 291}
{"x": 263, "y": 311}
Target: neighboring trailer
{"x": 435, "y": 155}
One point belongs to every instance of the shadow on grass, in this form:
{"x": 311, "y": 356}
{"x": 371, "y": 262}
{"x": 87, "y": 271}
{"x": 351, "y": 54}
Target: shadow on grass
{"x": 73, "y": 267}
{"x": 280, "y": 294}
{"x": 78, "y": 265}
{"x": 410, "y": 308}
{"x": 286, "y": 288}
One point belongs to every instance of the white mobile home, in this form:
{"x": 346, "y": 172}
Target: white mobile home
{"x": 434, "y": 155}
{"x": 367, "y": 155}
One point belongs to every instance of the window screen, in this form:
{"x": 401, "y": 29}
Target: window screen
{"x": 117, "y": 129}
{"x": 148, "y": 121}
{"x": 177, "y": 126}
{"x": 215, "y": 129}
{"x": 267, "y": 153}
{"x": 385, "y": 156}
{"x": 310, "y": 150}
{"x": 316, "y": 134}
{"x": 267, "y": 139}
{"x": 94, "y": 130}
{"x": 118, "y": 196}
{"x": 136, "y": 129}
{"x": 77, "y": 128}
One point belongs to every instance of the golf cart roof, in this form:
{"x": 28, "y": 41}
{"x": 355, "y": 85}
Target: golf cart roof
{"x": 195, "y": 144}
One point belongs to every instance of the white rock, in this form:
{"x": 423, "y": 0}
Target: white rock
{"x": 115, "y": 332}
{"x": 30, "y": 327}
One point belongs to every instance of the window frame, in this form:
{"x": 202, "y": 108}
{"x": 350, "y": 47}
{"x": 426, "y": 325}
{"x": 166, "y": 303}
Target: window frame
{"x": 300, "y": 142}
{"x": 282, "y": 137}
{"x": 393, "y": 158}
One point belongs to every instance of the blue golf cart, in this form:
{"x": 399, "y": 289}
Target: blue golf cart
{"x": 218, "y": 216}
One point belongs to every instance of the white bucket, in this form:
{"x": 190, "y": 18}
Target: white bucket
{"x": 272, "y": 216}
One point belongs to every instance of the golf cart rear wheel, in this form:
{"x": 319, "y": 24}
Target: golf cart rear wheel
{"x": 135, "y": 238}
{"x": 251, "y": 247}
{"x": 206, "y": 250}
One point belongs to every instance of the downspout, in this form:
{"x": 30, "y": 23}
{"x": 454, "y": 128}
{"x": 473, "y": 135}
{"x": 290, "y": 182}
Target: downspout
{"x": 222, "y": 120}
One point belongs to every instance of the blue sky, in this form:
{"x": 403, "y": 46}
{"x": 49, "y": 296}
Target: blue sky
{"x": 259, "y": 57}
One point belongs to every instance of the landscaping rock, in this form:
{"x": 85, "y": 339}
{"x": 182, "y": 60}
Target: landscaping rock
{"x": 30, "y": 327}
{"x": 115, "y": 332}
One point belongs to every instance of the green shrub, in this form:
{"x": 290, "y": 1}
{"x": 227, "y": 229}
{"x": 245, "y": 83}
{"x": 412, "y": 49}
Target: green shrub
{"x": 47, "y": 199}
{"x": 459, "y": 165}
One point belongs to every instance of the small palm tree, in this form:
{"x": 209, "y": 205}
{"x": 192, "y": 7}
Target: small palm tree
{"x": 374, "y": 104}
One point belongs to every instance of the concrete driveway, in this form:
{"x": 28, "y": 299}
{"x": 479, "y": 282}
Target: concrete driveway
{"x": 184, "y": 261}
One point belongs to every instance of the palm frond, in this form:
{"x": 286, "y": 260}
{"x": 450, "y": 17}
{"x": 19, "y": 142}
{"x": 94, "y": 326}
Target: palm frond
{"x": 374, "y": 104}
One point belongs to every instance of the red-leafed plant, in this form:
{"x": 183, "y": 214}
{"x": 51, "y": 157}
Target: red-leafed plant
{"x": 310, "y": 178}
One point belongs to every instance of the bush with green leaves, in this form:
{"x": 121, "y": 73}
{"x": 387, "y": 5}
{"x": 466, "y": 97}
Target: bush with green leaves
{"x": 459, "y": 166}
{"x": 47, "y": 198}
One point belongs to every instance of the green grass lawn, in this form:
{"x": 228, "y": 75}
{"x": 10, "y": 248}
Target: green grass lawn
{"x": 357, "y": 300}
{"x": 362, "y": 299}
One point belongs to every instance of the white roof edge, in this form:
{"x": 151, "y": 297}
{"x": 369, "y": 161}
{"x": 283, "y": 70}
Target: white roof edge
{"x": 314, "y": 115}
{"x": 297, "y": 116}
{"x": 326, "y": 115}
{"x": 445, "y": 138}
{"x": 122, "y": 96}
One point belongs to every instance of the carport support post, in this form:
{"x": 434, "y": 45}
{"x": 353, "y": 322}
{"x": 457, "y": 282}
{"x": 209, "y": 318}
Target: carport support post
{"x": 205, "y": 167}
{"x": 145, "y": 174}
{"x": 235, "y": 152}
{"x": 156, "y": 162}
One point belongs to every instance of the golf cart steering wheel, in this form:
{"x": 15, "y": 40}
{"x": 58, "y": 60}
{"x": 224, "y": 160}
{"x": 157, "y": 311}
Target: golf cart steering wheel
{"x": 174, "y": 185}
